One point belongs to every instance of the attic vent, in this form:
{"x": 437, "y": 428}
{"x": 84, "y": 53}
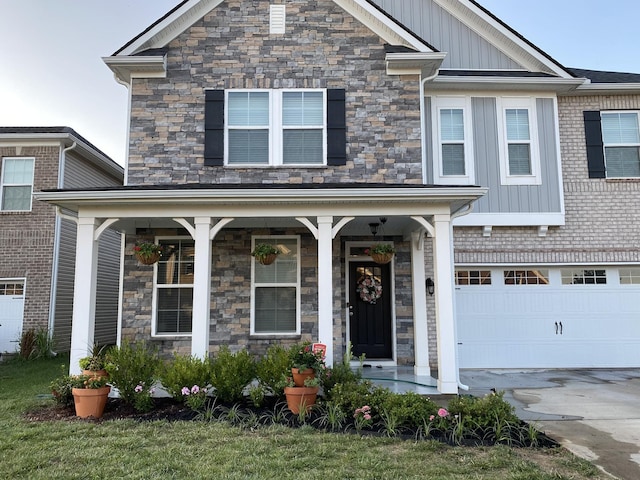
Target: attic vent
{"x": 277, "y": 19}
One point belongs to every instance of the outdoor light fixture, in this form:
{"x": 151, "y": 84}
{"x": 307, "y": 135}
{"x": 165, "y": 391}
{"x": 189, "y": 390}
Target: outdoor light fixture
{"x": 431, "y": 287}
{"x": 374, "y": 228}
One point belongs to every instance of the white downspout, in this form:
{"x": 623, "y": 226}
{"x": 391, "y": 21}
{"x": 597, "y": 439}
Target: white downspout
{"x": 56, "y": 240}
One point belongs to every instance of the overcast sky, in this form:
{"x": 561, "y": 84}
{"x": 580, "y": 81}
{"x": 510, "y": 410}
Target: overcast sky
{"x": 51, "y": 72}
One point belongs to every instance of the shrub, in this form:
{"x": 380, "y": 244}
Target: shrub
{"x": 184, "y": 371}
{"x": 410, "y": 409}
{"x": 340, "y": 373}
{"x": 271, "y": 367}
{"x": 484, "y": 412}
{"x": 349, "y": 396}
{"x": 231, "y": 373}
{"x": 61, "y": 390}
{"x": 132, "y": 370}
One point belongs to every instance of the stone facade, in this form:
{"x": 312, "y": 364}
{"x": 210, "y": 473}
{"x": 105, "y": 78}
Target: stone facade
{"x": 231, "y": 48}
{"x": 600, "y": 214}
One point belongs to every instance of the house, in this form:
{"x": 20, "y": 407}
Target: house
{"x": 506, "y": 182}
{"x": 38, "y": 241}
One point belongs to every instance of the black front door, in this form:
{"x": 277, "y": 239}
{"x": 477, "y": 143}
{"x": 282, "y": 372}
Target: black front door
{"x": 370, "y": 309}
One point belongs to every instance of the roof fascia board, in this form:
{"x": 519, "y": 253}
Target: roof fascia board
{"x": 160, "y": 34}
{"x": 502, "y": 37}
{"x": 126, "y": 68}
{"x": 390, "y": 31}
{"x": 425, "y": 64}
{"x": 615, "y": 88}
{"x": 489, "y": 83}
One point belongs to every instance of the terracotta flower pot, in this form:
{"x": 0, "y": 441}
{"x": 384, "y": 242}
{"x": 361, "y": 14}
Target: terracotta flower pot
{"x": 148, "y": 259}
{"x": 90, "y": 402}
{"x": 300, "y": 397}
{"x": 382, "y": 258}
{"x": 267, "y": 259}
{"x": 300, "y": 376}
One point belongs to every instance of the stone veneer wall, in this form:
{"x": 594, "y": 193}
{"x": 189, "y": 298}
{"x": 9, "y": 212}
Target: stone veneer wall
{"x": 602, "y": 215}
{"x": 231, "y": 48}
{"x": 27, "y": 237}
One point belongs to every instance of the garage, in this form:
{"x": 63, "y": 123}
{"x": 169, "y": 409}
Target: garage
{"x": 11, "y": 311}
{"x": 548, "y": 317}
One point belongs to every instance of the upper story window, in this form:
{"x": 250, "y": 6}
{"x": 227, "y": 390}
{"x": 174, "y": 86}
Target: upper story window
{"x": 519, "y": 151}
{"x": 16, "y": 184}
{"x": 621, "y": 139}
{"x": 454, "y": 146}
{"x": 276, "y": 127}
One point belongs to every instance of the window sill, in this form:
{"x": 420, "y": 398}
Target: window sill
{"x": 274, "y": 336}
{"x": 276, "y": 167}
{"x": 623, "y": 180}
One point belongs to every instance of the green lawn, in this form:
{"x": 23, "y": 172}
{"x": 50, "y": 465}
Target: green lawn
{"x": 128, "y": 449}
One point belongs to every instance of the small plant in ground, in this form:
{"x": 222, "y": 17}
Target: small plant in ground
{"x": 131, "y": 366}
{"x": 331, "y": 417}
{"x": 341, "y": 373}
{"x": 143, "y": 398}
{"x": 362, "y": 418}
{"x": 35, "y": 343}
{"x": 195, "y": 397}
{"x": 390, "y": 423}
{"x": 231, "y": 373}
{"x": 184, "y": 370}
{"x": 61, "y": 388}
{"x": 257, "y": 394}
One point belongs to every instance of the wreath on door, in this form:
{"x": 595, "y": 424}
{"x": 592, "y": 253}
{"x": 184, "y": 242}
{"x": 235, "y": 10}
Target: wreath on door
{"x": 369, "y": 288}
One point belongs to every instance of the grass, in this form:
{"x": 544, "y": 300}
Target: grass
{"x": 161, "y": 449}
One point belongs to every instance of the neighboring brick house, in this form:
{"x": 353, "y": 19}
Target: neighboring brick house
{"x": 38, "y": 244}
{"x": 327, "y": 126}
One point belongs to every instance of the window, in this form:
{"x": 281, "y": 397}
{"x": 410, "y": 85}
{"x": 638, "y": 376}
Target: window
{"x": 629, "y": 276}
{"x": 16, "y": 184}
{"x": 454, "y": 150}
{"x": 174, "y": 287}
{"x": 473, "y": 277}
{"x": 519, "y": 152}
{"x": 621, "y": 138}
{"x": 275, "y": 298}
{"x": 579, "y": 276}
{"x": 13, "y": 288}
{"x": 276, "y": 127}
{"x": 526, "y": 277}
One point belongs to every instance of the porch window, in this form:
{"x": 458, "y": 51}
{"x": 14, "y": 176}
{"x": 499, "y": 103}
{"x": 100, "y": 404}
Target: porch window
{"x": 16, "y": 184}
{"x": 173, "y": 297}
{"x": 275, "y": 299}
{"x": 276, "y": 127}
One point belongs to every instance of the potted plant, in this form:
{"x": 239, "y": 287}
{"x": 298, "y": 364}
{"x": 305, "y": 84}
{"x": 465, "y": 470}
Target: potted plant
{"x": 305, "y": 363}
{"x": 90, "y": 395}
{"x": 265, "y": 253}
{"x": 147, "y": 253}
{"x": 381, "y": 253}
{"x": 94, "y": 364}
{"x": 301, "y": 397}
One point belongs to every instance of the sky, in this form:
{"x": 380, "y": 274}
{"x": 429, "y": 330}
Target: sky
{"x": 52, "y": 74}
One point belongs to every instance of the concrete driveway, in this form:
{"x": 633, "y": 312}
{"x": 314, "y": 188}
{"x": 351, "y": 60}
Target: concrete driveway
{"x": 593, "y": 413}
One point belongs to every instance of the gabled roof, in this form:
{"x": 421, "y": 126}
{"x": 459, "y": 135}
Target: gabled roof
{"x": 67, "y": 137}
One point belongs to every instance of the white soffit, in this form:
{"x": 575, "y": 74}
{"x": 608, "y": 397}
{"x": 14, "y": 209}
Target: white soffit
{"x": 502, "y": 38}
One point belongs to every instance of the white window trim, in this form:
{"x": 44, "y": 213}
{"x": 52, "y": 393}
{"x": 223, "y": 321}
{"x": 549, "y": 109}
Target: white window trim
{"x": 256, "y": 239}
{"x": 2, "y": 183}
{"x": 443, "y": 103}
{"x": 276, "y": 128}
{"x": 154, "y": 301}
{"x": 528, "y": 103}
{"x": 605, "y": 145}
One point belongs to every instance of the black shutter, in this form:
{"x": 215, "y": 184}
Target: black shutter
{"x": 336, "y": 127}
{"x": 595, "y": 146}
{"x": 214, "y": 128}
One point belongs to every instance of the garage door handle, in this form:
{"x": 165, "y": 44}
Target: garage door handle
{"x": 560, "y": 328}
{"x": 556, "y": 328}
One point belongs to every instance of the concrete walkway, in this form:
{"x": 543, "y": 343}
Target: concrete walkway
{"x": 593, "y": 413}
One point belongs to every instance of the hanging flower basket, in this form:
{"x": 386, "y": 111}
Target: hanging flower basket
{"x": 381, "y": 253}
{"x": 265, "y": 253}
{"x": 147, "y": 253}
{"x": 369, "y": 288}
{"x": 267, "y": 259}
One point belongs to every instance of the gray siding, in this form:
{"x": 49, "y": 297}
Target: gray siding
{"x": 465, "y": 48}
{"x": 108, "y": 288}
{"x": 514, "y": 198}
{"x": 78, "y": 173}
{"x": 64, "y": 286}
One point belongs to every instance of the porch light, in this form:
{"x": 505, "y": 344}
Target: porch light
{"x": 374, "y": 228}
{"x": 431, "y": 287}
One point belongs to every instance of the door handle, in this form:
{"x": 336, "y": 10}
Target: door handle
{"x": 556, "y": 328}
{"x": 560, "y": 328}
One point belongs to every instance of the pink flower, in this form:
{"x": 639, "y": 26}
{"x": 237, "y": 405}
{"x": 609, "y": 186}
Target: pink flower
{"x": 442, "y": 412}
{"x": 367, "y": 416}
{"x": 185, "y": 391}
{"x": 138, "y": 389}
{"x": 195, "y": 389}
{"x": 152, "y": 391}
{"x": 431, "y": 418}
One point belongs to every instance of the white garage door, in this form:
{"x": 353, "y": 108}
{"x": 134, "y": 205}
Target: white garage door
{"x": 548, "y": 317}
{"x": 11, "y": 310}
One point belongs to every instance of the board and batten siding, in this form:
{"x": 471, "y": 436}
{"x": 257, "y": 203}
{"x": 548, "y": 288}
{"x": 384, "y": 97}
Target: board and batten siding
{"x": 80, "y": 174}
{"x": 465, "y": 48}
{"x": 544, "y": 198}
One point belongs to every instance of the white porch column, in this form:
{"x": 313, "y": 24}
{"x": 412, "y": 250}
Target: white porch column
{"x": 84, "y": 293}
{"x": 420, "y": 335}
{"x": 443, "y": 267}
{"x": 325, "y": 285}
{"x": 201, "y": 288}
